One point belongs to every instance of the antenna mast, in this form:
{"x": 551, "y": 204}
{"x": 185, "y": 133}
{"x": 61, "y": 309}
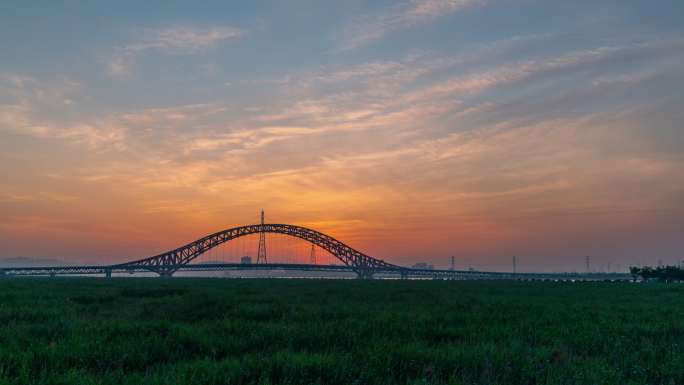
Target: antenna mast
{"x": 261, "y": 255}
{"x": 515, "y": 265}
{"x": 587, "y": 262}
{"x": 312, "y": 259}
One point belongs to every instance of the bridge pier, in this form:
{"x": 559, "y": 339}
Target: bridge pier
{"x": 165, "y": 273}
{"x": 108, "y": 273}
{"x": 364, "y": 273}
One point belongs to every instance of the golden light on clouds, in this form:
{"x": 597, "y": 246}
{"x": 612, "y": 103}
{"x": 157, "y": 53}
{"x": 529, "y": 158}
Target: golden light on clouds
{"x": 533, "y": 144}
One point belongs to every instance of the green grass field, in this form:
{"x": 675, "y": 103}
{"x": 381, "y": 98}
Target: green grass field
{"x": 214, "y": 331}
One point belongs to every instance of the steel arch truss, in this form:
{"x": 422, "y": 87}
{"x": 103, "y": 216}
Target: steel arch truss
{"x": 168, "y": 263}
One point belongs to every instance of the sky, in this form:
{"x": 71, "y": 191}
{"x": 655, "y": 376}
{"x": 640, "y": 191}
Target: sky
{"x": 410, "y": 130}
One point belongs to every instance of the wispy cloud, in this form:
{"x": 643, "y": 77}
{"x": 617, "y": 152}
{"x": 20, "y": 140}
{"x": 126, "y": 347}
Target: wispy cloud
{"x": 24, "y": 89}
{"x": 398, "y": 99}
{"x": 166, "y": 115}
{"x": 29, "y": 105}
{"x": 178, "y": 40}
{"x": 184, "y": 39}
{"x": 49, "y": 196}
{"x": 368, "y": 28}
{"x": 98, "y": 134}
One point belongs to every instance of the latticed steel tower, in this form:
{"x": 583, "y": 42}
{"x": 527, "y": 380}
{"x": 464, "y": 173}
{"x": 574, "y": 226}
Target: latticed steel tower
{"x": 261, "y": 254}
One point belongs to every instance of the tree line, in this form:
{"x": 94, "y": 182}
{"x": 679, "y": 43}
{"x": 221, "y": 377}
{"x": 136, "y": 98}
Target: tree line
{"x": 660, "y": 273}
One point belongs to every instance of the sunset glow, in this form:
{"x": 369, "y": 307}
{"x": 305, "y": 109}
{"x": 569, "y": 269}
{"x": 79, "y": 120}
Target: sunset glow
{"x": 412, "y": 131}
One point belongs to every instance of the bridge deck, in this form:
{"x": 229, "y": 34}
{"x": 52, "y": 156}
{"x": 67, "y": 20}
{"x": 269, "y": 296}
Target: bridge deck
{"x": 400, "y": 271}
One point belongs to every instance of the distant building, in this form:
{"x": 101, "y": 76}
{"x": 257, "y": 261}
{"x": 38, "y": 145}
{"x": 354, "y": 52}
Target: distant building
{"x": 423, "y": 266}
{"x": 246, "y": 260}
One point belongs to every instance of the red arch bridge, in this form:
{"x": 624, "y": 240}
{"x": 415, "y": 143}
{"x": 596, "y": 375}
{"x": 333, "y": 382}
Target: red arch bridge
{"x": 365, "y": 267}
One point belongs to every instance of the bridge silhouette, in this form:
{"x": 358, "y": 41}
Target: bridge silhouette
{"x": 364, "y": 266}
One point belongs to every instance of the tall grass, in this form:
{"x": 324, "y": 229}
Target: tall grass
{"x": 212, "y": 331}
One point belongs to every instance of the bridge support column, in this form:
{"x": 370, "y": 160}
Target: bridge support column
{"x": 364, "y": 274}
{"x": 166, "y": 273}
{"x": 404, "y": 274}
{"x": 108, "y": 273}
